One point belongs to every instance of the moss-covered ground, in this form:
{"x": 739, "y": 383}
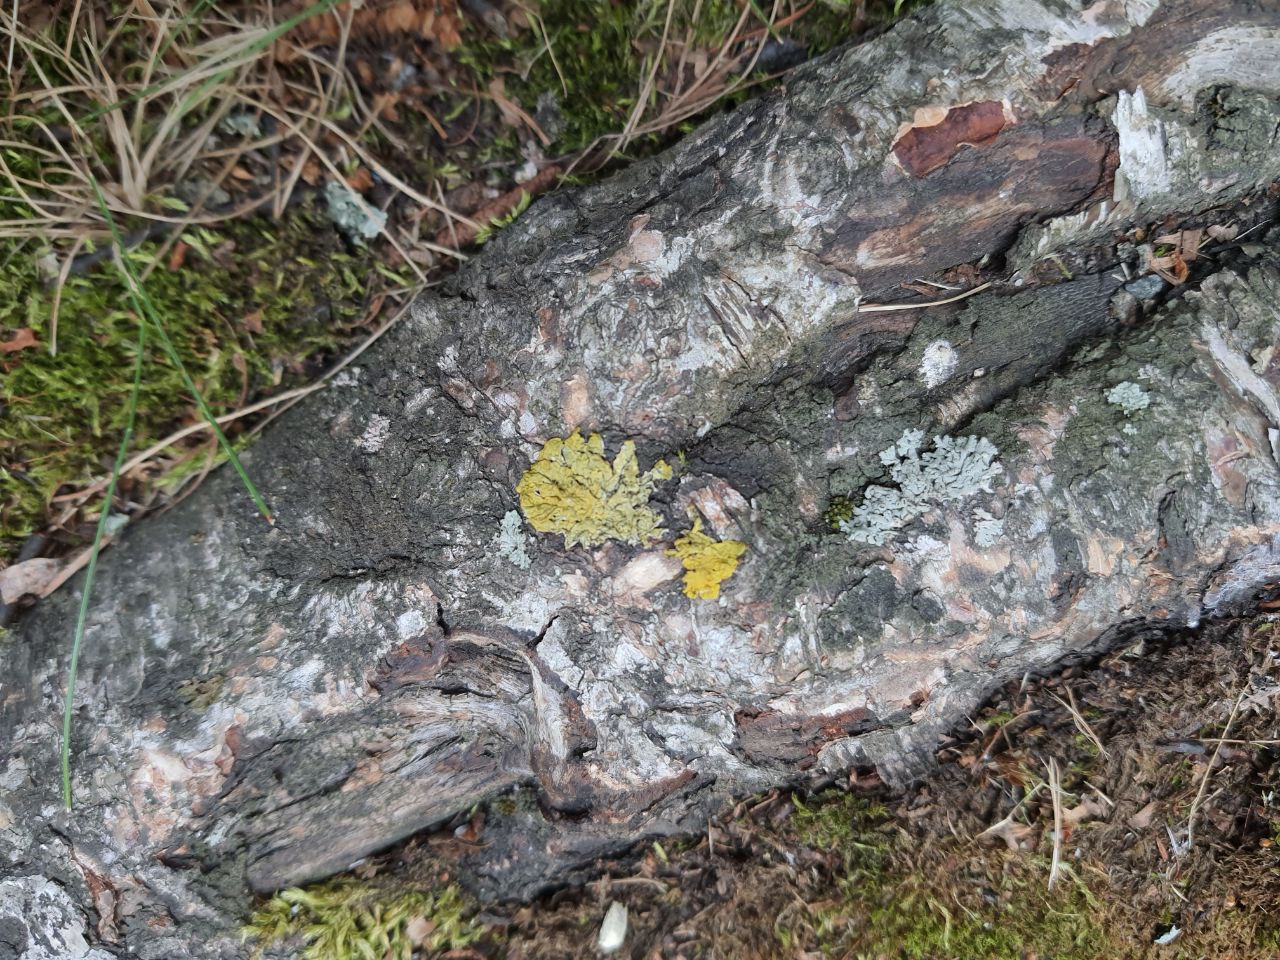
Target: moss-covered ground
{"x": 254, "y": 307}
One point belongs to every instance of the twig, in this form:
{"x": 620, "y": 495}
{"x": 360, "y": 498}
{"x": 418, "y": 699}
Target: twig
{"x": 13, "y": 39}
{"x": 1081, "y": 724}
{"x": 1055, "y": 791}
{"x": 891, "y": 307}
{"x": 1208, "y": 774}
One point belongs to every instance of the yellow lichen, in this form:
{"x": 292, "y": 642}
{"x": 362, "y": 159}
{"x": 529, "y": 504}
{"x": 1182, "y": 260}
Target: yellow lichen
{"x": 707, "y": 562}
{"x": 573, "y": 490}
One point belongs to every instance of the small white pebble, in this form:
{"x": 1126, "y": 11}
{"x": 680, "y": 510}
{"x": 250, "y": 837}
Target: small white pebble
{"x": 613, "y": 931}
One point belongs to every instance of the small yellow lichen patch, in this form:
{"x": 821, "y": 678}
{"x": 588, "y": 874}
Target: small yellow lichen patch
{"x": 707, "y": 562}
{"x": 572, "y": 489}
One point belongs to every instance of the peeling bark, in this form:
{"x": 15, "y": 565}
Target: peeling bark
{"x": 263, "y": 707}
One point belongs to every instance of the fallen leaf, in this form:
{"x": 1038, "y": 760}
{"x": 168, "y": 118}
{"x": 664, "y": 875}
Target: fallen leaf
{"x": 1187, "y": 241}
{"x": 400, "y": 18}
{"x": 1015, "y": 835}
{"x": 23, "y": 338}
{"x": 253, "y": 321}
{"x": 28, "y": 578}
{"x": 360, "y": 179}
{"x": 1142, "y": 819}
{"x": 1173, "y": 267}
{"x": 1087, "y": 809}
{"x": 178, "y": 257}
{"x": 510, "y": 113}
{"x": 419, "y": 931}
{"x": 384, "y": 105}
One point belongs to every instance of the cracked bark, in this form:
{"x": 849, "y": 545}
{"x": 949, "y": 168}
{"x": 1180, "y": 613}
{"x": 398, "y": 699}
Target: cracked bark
{"x": 262, "y": 707}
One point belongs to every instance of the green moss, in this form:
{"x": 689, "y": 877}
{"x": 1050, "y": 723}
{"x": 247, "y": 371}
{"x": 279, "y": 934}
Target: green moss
{"x": 838, "y": 511}
{"x": 347, "y": 919}
{"x": 248, "y": 309}
{"x": 895, "y": 902}
{"x": 599, "y": 52}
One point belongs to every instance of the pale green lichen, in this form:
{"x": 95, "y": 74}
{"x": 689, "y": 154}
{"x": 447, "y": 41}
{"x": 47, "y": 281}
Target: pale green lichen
{"x": 512, "y": 543}
{"x": 956, "y": 468}
{"x": 1129, "y": 397}
{"x": 986, "y": 528}
{"x": 350, "y": 214}
{"x": 707, "y": 562}
{"x": 571, "y": 489}
{"x": 346, "y": 919}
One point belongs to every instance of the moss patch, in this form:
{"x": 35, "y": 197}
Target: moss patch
{"x": 578, "y": 67}
{"x": 350, "y": 919}
{"x": 252, "y": 308}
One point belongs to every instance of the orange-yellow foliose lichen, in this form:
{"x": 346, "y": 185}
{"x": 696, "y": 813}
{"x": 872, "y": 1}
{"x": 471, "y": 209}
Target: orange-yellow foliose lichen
{"x": 571, "y": 489}
{"x": 707, "y": 563}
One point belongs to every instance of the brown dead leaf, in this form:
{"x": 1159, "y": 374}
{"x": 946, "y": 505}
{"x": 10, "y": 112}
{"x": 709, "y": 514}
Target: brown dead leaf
{"x": 24, "y": 337}
{"x": 28, "y": 578}
{"x": 401, "y": 17}
{"x": 384, "y": 105}
{"x": 509, "y": 111}
{"x": 419, "y": 931}
{"x": 1185, "y": 242}
{"x": 360, "y": 179}
{"x": 1015, "y": 835}
{"x": 1173, "y": 267}
{"x": 1086, "y": 809}
{"x": 178, "y": 256}
{"x": 312, "y": 172}
{"x": 1142, "y": 819}
{"x": 253, "y": 321}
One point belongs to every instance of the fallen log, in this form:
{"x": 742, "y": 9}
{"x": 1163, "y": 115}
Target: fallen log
{"x": 466, "y": 594}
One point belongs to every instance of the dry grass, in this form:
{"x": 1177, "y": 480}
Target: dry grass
{"x": 207, "y": 100}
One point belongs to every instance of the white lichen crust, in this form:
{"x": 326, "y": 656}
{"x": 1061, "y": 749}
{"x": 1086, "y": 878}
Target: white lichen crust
{"x": 1129, "y": 397}
{"x": 955, "y": 469}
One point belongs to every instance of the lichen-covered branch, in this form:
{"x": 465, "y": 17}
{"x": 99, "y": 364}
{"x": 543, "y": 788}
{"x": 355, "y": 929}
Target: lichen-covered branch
{"x": 568, "y": 532}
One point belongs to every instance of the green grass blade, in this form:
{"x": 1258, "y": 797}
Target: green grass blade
{"x": 270, "y": 37}
{"x": 91, "y": 568}
{"x": 147, "y": 310}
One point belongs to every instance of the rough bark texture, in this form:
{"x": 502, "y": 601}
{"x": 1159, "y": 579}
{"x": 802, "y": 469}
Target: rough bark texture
{"x": 262, "y": 707}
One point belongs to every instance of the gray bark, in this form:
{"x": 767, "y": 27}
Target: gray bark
{"x": 261, "y": 707}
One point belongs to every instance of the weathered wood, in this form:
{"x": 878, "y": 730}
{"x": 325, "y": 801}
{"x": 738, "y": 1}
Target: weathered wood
{"x": 262, "y": 707}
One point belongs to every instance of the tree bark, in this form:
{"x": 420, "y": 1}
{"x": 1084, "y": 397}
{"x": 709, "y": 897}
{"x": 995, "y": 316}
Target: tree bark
{"x": 261, "y": 707}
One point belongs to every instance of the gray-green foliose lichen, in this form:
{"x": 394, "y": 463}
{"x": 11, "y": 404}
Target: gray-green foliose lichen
{"x": 1129, "y": 397}
{"x": 356, "y": 219}
{"x": 956, "y": 468}
{"x": 986, "y": 528}
{"x": 512, "y": 542}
